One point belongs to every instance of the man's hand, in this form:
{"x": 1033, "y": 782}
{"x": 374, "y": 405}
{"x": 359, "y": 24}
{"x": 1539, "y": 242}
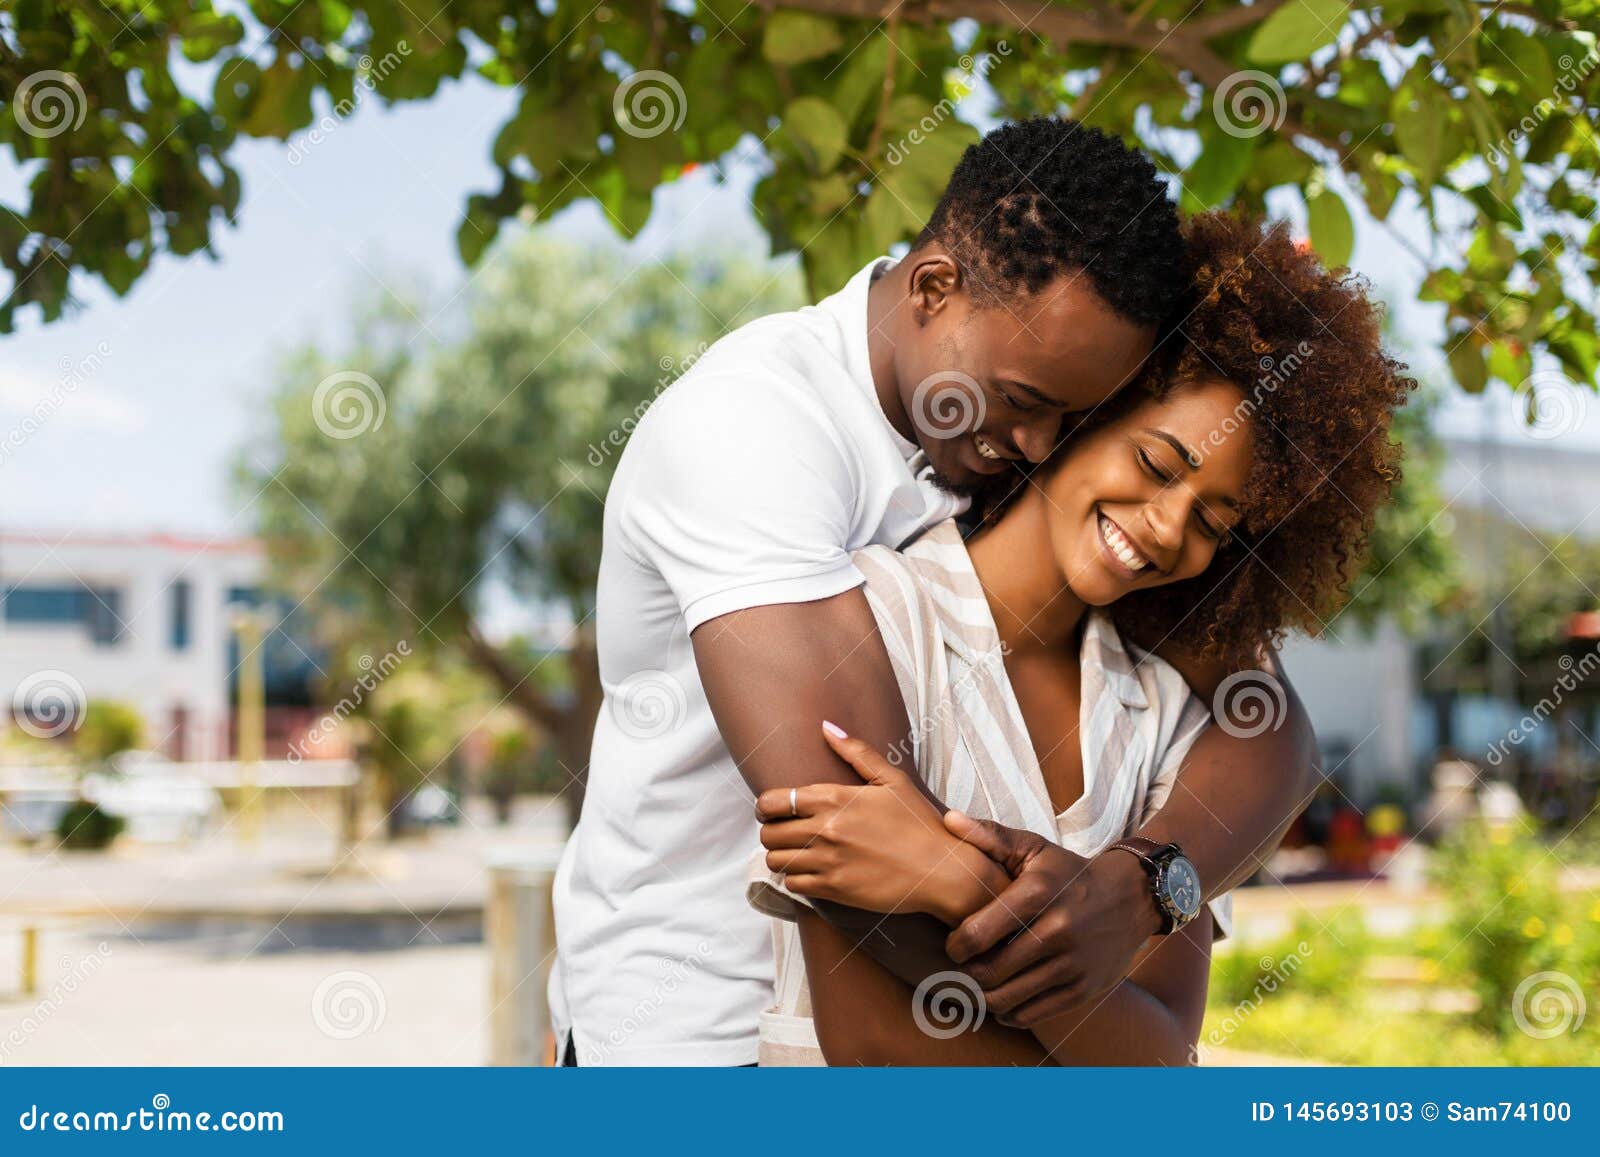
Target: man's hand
{"x": 1063, "y": 932}
{"x": 881, "y": 847}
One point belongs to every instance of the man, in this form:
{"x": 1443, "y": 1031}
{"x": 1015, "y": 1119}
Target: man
{"x": 731, "y": 622}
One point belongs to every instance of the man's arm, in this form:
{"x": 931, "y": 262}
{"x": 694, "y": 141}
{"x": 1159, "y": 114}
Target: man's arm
{"x": 1237, "y": 792}
{"x": 772, "y": 674}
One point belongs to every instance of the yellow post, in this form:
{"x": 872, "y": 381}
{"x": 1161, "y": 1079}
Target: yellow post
{"x": 30, "y": 960}
{"x": 252, "y": 722}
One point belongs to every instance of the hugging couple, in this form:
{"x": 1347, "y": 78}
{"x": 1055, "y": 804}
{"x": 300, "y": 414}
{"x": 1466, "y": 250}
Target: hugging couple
{"x": 919, "y": 613}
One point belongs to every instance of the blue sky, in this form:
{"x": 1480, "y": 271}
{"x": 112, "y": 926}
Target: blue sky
{"x": 181, "y": 366}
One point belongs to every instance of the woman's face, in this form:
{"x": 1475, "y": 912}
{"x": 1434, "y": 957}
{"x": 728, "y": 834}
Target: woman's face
{"x": 1148, "y": 498}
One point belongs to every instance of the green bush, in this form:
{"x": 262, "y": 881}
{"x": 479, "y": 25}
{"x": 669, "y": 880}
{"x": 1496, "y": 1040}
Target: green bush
{"x": 1321, "y": 959}
{"x": 84, "y": 827}
{"x": 1504, "y": 915}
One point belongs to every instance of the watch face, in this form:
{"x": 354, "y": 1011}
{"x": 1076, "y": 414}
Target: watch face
{"x": 1181, "y": 886}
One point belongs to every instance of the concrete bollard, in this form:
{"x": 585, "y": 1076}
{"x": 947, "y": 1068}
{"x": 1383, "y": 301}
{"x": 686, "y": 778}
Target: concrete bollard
{"x": 519, "y": 927}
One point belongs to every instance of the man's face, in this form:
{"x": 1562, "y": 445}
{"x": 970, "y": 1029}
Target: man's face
{"x": 986, "y": 386}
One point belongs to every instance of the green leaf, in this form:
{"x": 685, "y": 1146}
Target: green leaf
{"x": 1333, "y": 234}
{"x": 1466, "y": 363}
{"x": 1217, "y": 171}
{"x": 1296, "y": 30}
{"x": 477, "y": 230}
{"x": 1419, "y": 112}
{"x": 1510, "y": 362}
{"x": 796, "y": 37}
{"x": 818, "y": 129}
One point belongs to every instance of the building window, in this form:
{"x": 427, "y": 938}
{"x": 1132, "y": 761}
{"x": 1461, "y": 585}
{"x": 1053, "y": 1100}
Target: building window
{"x": 180, "y": 614}
{"x": 104, "y": 616}
{"x": 45, "y": 604}
{"x": 98, "y": 610}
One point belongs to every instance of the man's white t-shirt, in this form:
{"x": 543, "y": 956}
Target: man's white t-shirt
{"x": 748, "y": 483}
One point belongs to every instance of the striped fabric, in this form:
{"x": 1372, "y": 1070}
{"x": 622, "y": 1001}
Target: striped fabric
{"x": 1137, "y": 720}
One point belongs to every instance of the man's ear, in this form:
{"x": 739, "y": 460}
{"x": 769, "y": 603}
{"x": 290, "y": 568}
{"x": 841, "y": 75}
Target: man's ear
{"x": 935, "y": 280}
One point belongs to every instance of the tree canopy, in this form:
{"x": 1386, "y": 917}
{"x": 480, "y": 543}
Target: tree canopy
{"x": 123, "y": 115}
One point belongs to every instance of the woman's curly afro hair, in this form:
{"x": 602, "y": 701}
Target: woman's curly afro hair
{"x": 1304, "y": 345}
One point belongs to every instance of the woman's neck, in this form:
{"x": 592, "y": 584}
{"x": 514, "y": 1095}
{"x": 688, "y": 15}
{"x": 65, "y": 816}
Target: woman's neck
{"x": 1033, "y": 607}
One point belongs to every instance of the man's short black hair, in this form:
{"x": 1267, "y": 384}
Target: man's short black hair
{"x": 1038, "y": 198}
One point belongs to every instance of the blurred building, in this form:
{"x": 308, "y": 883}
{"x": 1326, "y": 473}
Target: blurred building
{"x": 1381, "y": 704}
{"x": 145, "y": 620}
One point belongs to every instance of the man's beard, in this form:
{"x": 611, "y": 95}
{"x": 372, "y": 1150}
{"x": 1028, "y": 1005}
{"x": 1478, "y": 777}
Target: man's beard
{"x": 973, "y": 490}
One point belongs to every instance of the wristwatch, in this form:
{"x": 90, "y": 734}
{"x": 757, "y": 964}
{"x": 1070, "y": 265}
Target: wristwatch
{"x": 1173, "y": 880}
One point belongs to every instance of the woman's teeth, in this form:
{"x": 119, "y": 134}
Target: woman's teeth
{"x": 985, "y": 449}
{"x": 1121, "y": 547}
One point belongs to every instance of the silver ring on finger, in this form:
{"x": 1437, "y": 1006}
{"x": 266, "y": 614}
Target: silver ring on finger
{"x": 794, "y": 803}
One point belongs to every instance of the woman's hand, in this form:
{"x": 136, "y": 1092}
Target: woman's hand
{"x": 882, "y": 847}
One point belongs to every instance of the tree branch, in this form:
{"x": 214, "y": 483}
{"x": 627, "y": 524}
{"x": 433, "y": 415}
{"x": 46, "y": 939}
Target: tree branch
{"x": 522, "y": 694}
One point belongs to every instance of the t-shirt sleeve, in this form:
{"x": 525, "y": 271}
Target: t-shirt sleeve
{"x": 740, "y": 495}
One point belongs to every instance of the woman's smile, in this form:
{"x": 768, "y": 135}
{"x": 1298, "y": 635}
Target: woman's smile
{"x": 1126, "y": 559}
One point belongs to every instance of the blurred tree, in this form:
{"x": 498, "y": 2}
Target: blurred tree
{"x": 1413, "y": 572}
{"x": 108, "y": 728}
{"x": 401, "y": 486}
{"x": 1483, "y": 113}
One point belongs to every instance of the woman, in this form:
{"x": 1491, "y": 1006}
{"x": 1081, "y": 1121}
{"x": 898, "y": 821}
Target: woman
{"x": 1216, "y": 506}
